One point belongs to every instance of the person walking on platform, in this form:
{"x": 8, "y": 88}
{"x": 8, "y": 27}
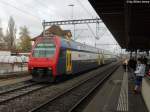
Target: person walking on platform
{"x": 125, "y": 64}
{"x": 145, "y": 60}
{"x": 140, "y": 72}
{"x": 132, "y": 64}
{"x": 132, "y": 67}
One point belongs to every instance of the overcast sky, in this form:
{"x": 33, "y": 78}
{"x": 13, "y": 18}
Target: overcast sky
{"x": 32, "y": 12}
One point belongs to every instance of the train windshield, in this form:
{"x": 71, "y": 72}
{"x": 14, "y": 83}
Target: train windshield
{"x": 44, "y": 49}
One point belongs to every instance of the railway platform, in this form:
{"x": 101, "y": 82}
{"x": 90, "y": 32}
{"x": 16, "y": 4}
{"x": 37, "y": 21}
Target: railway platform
{"x": 12, "y": 79}
{"x": 117, "y": 95}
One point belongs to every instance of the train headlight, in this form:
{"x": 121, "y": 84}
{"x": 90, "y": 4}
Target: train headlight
{"x": 50, "y": 68}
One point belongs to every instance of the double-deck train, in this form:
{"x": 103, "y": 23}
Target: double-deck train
{"x": 54, "y": 56}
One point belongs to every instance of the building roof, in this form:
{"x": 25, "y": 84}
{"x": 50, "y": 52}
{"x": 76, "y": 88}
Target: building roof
{"x": 55, "y": 30}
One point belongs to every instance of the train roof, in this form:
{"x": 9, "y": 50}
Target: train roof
{"x": 74, "y": 45}
{"x": 71, "y": 44}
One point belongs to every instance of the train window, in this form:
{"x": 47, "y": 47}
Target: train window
{"x": 44, "y": 50}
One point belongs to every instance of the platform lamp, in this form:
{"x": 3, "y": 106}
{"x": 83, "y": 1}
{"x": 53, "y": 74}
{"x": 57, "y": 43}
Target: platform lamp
{"x": 72, "y": 5}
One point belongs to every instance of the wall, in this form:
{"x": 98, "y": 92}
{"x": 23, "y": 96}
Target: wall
{"x": 5, "y": 53}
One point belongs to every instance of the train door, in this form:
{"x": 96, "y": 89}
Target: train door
{"x": 103, "y": 57}
{"x": 68, "y": 62}
{"x": 99, "y": 58}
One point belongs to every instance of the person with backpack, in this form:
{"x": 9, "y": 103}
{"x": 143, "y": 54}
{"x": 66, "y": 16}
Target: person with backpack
{"x": 139, "y": 72}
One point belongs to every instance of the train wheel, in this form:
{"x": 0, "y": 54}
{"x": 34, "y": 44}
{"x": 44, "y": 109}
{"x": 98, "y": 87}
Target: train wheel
{"x": 57, "y": 79}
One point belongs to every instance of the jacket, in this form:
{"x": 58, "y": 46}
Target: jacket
{"x": 140, "y": 70}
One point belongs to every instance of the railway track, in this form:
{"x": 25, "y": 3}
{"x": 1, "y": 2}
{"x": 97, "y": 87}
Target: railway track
{"x": 15, "y": 85}
{"x": 17, "y": 88}
{"x": 10, "y": 77}
{"x": 68, "y": 100}
{"x": 11, "y": 94}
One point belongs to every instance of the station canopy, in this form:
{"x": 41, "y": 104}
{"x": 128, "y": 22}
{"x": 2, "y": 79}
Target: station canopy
{"x": 127, "y": 20}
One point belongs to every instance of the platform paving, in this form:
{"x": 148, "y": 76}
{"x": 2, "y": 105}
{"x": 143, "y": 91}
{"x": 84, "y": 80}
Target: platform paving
{"x": 136, "y": 102}
{"x": 106, "y": 99}
{"x": 117, "y": 95}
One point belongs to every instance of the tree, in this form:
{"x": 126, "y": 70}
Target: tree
{"x": 1, "y": 35}
{"x": 25, "y": 44}
{"x": 11, "y": 34}
{"x": 3, "y": 44}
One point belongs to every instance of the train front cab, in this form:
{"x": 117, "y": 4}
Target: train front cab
{"x": 43, "y": 59}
